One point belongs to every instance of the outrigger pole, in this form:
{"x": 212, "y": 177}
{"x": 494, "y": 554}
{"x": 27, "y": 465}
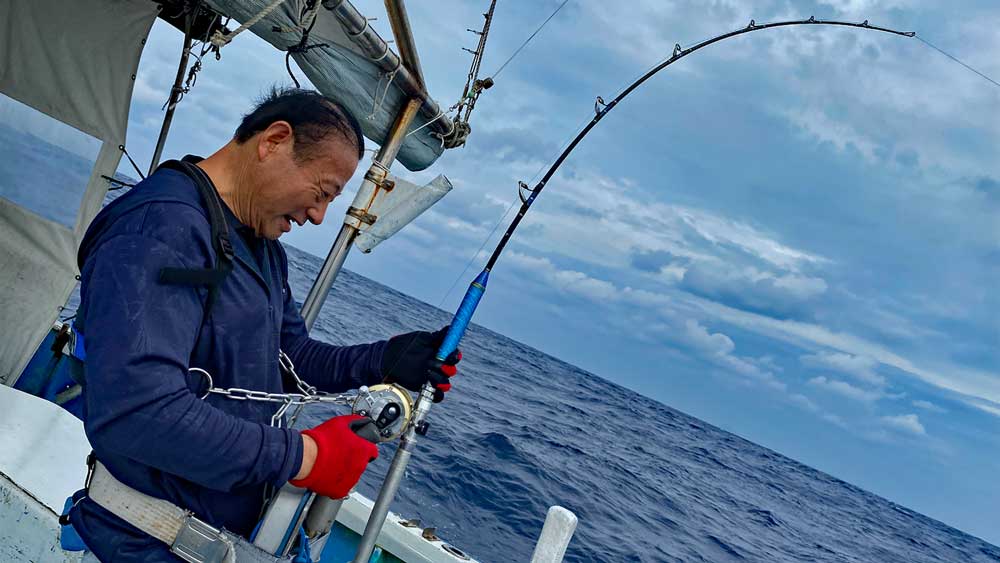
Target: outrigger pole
{"x": 477, "y": 288}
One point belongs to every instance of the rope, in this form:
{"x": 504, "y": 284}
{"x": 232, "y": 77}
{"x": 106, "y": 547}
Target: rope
{"x": 432, "y": 120}
{"x": 306, "y": 25}
{"x": 220, "y": 39}
{"x": 928, "y": 43}
{"x": 376, "y": 103}
{"x": 528, "y": 40}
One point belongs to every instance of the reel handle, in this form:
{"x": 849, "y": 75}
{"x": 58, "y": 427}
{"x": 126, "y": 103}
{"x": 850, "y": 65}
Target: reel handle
{"x": 366, "y": 429}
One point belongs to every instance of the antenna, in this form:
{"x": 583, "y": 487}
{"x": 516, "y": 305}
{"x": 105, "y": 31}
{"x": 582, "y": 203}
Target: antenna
{"x": 474, "y": 86}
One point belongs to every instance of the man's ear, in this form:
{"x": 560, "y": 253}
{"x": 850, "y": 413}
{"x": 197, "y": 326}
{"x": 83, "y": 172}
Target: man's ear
{"x": 277, "y": 136}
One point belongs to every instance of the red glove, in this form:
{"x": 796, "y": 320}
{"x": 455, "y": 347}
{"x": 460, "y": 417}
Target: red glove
{"x": 341, "y": 456}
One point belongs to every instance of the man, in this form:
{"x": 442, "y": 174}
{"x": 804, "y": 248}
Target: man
{"x": 289, "y": 158}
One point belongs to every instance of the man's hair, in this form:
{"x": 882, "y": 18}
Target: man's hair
{"x": 313, "y": 117}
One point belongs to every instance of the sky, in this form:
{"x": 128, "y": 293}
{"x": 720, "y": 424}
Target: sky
{"x": 793, "y": 235}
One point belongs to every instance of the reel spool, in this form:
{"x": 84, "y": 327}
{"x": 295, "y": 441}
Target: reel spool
{"x": 389, "y": 406}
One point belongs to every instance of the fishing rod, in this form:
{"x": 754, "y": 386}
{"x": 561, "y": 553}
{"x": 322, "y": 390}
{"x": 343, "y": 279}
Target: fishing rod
{"x": 463, "y": 316}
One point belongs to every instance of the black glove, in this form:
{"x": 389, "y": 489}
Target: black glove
{"x": 409, "y": 360}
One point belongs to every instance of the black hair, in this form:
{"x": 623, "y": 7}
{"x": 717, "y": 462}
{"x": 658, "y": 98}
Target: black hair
{"x": 312, "y": 116}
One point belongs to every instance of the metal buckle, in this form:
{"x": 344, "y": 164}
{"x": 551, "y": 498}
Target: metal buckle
{"x": 197, "y": 542}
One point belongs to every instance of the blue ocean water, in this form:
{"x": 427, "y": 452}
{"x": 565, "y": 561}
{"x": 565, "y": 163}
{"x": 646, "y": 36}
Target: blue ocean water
{"x": 522, "y": 431}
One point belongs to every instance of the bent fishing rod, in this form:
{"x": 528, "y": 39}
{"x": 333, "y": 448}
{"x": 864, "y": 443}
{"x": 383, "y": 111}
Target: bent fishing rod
{"x": 463, "y": 316}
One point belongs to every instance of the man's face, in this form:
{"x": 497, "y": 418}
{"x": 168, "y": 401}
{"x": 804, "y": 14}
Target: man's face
{"x": 286, "y": 191}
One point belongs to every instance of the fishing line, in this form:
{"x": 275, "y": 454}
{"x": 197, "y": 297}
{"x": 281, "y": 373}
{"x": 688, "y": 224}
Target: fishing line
{"x": 503, "y": 217}
{"x": 932, "y": 46}
{"x": 528, "y": 40}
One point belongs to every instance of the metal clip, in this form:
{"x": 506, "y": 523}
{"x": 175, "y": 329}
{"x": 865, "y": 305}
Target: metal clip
{"x": 197, "y": 542}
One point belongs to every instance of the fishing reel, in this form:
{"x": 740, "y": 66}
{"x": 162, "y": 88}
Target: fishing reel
{"x": 389, "y": 406}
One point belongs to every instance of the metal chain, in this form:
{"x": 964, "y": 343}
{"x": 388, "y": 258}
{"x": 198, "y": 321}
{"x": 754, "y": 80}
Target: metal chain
{"x": 307, "y": 393}
{"x": 239, "y": 394}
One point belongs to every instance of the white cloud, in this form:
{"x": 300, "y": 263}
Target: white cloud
{"x": 816, "y": 124}
{"x": 928, "y": 406}
{"x": 779, "y": 294}
{"x": 846, "y": 389}
{"x": 905, "y": 423}
{"x": 716, "y": 344}
{"x": 860, "y": 367}
{"x": 568, "y": 281}
{"x": 980, "y": 389}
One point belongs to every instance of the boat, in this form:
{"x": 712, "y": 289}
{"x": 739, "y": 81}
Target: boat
{"x": 67, "y": 72}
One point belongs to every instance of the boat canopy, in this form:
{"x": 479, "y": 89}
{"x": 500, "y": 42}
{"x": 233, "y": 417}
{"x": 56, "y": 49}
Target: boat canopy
{"x": 67, "y": 70}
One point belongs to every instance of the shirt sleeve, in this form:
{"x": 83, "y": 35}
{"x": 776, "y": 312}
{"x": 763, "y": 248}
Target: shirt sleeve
{"x": 139, "y": 336}
{"x": 330, "y": 368}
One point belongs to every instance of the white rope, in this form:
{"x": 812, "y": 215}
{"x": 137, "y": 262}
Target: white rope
{"x": 376, "y": 102}
{"x": 432, "y": 120}
{"x": 220, "y": 39}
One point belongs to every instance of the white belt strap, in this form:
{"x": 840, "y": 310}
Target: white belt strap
{"x": 188, "y": 537}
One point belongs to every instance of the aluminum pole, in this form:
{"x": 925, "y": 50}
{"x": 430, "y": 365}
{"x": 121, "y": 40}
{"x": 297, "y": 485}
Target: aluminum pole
{"x": 401, "y": 30}
{"x": 362, "y": 201}
{"x": 175, "y": 96}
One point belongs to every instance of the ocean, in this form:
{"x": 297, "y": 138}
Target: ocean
{"x": 521, "y": 431}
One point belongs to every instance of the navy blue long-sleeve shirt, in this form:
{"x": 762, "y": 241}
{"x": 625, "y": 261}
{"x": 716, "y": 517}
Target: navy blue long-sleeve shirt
{"x": 213, "y": 456}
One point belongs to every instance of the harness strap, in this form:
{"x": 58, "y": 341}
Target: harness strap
{"x": 224, "y": 253}
{"x": 188, "y": 537}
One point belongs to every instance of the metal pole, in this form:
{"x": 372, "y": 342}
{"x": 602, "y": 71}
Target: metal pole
{"x": 175, "y": 95}
{"x": 331, "y": 267}
{"x": 358, "y": 213}
{"x": 404, "y": 38}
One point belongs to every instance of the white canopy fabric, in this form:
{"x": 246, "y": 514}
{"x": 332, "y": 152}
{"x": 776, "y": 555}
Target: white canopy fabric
{"x": 75, "y": 62}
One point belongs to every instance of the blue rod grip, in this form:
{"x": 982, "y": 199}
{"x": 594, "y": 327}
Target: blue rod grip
{"x": 463, "y": 316}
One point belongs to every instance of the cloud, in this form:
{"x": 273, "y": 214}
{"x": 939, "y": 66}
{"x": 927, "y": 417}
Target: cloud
{"x": 860, "y": 367}
{"x": 654, "y": 261}
{"x": 928, "y": 406}
{"x": 846, "y": 389}
{"x": 978, "y": 388}
{"x": 715, "y": 344}
{"x": 909, "y": 423}
{"x": 565, "y": 281}
{"x": 765, "y": 292}
{"x": 815, "y": 123}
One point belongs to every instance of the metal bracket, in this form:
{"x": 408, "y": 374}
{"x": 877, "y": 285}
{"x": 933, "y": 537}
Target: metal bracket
{"x": 197, "y": 542}
{"x": 362, "y": 215}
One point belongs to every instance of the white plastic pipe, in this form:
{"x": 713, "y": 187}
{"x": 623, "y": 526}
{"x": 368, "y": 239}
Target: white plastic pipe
{"x": 556, "y": 533}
